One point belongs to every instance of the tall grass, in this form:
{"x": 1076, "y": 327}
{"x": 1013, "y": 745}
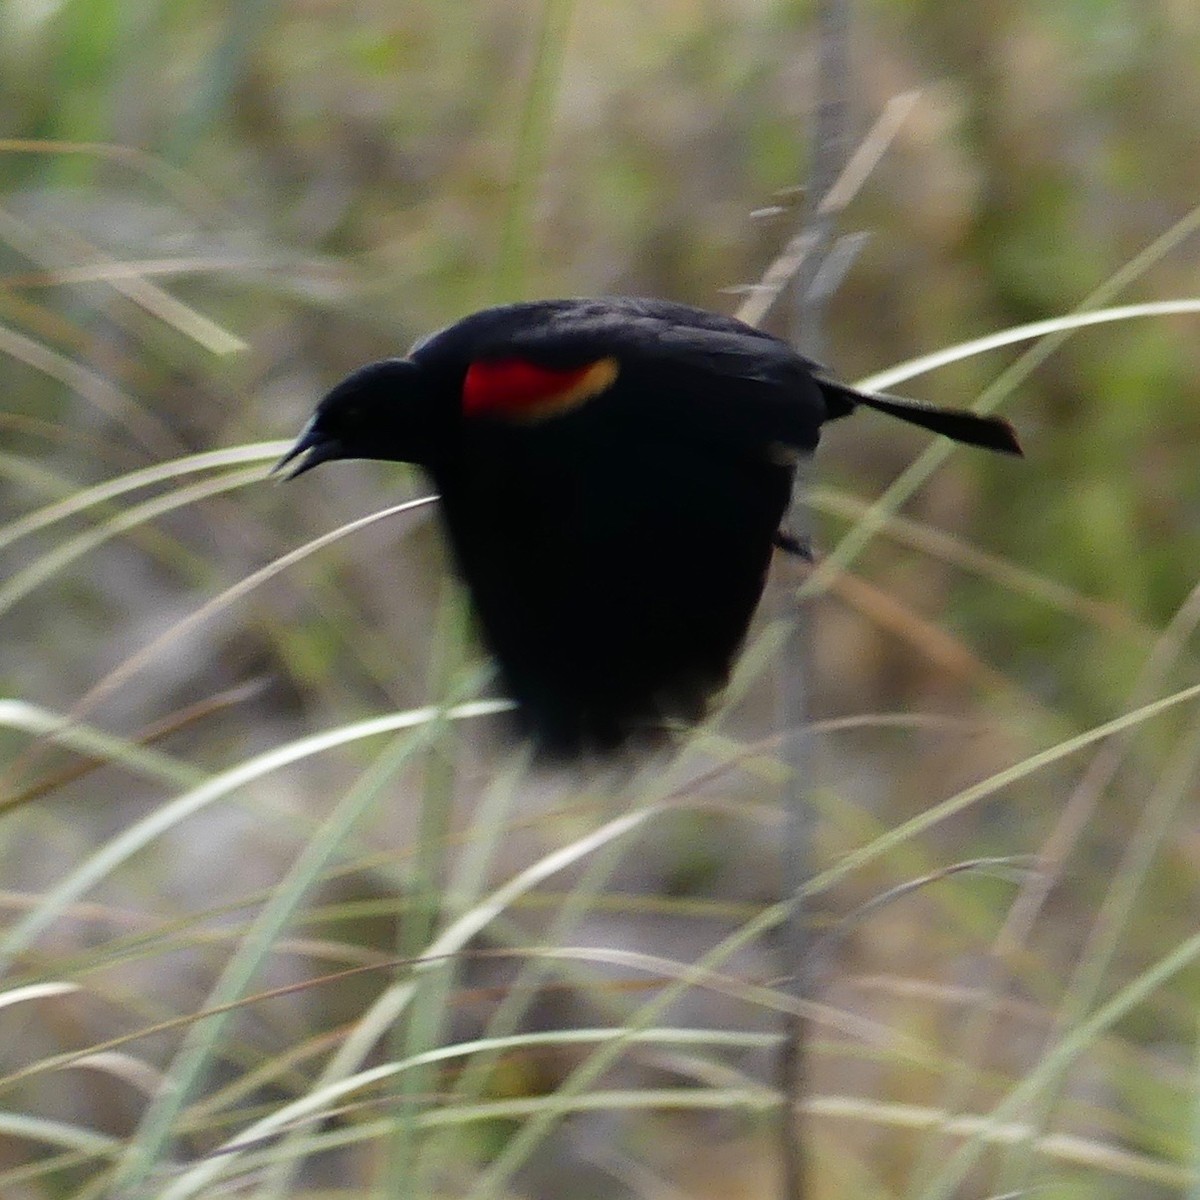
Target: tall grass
{"x": 283, "y": 915}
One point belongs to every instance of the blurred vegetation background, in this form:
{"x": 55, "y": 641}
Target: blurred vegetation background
{"x": 209, "y": 213}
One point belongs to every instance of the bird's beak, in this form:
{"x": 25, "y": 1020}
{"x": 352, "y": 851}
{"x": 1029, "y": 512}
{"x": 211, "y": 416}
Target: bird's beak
{"x": 312, "y": 447}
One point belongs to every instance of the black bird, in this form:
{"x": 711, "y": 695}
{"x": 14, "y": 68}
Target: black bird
{"x": 613, "y": 474}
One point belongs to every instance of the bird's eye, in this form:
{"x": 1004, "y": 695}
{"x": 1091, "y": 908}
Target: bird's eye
{"x": 353, "y": 415}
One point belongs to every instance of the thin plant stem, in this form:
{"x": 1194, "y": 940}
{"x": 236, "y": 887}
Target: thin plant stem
{"x": 830, "y": 141}
{"x": 422, "y": 1030}
{"x": 532, "y": 138}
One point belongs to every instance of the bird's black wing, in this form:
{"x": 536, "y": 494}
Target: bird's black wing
{"x": 695, "y": 374}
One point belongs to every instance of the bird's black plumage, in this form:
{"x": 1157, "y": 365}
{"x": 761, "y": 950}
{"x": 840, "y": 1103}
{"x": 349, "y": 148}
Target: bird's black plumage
{"x": 613, "y": 474}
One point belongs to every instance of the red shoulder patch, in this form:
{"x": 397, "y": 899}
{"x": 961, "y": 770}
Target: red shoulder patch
{"x": 524, "y": 391}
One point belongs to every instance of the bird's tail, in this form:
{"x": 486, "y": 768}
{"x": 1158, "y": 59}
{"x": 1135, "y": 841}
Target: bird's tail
{"x": 992, "y": 433}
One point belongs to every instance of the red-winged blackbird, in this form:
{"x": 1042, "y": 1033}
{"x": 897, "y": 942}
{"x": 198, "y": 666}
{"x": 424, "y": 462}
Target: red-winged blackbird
{"x": 613, "y": 474}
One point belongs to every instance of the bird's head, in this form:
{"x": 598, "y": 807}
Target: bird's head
{"x": 388, "y": 410}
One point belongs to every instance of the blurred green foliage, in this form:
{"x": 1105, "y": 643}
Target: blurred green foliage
{"x": 210, "y": 212}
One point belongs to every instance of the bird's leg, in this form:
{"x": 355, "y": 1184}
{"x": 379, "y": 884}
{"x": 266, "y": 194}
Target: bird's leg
{"x": 796, "y": 544}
